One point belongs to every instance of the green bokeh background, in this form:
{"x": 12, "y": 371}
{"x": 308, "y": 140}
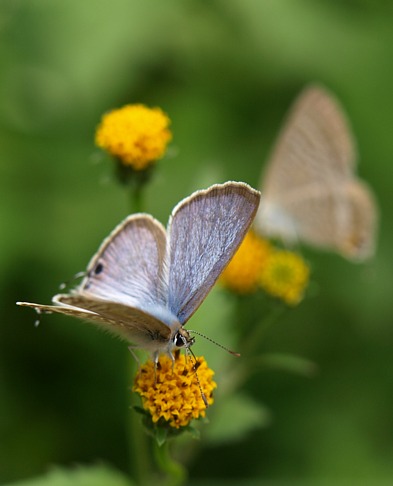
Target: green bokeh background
{"x": 226, "y": 73}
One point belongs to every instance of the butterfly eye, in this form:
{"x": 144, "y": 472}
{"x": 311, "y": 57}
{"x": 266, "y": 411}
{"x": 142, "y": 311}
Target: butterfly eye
{"x": 183, "y": 340}
{"x": 179, "y": 340}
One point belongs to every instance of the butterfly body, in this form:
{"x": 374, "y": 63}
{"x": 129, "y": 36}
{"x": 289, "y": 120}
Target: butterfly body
{"x": 145, "y": 282}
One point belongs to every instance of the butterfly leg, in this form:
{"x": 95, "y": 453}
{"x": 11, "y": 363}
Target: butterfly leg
{"x": 172, "y": 359}
{"x": 156, "y": 364}
{"x": 131, "y": 348}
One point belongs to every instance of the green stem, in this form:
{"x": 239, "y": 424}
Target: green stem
{"x": 258, "y": 332}
{"x": 134, "y": 181}
{"x": 255, "y": 332}
{"x": 136, "y": 198}
{"x": 139, "y": 454}
{"x": 139, "y": 460}
{"x": 176, "y": 473}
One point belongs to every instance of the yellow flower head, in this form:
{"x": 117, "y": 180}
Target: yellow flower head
{"x": 172, "y": 393}
{"x": 135, "y": 134}
{"x": 242, "y": 275}
{"x": 285, "y": 275}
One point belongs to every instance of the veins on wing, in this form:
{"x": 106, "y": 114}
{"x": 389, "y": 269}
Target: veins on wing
{"x": 156, "y": 335}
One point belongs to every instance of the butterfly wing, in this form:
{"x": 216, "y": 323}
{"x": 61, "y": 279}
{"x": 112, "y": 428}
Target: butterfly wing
{"x": 343, "y": 219}
{"x": 127, "y": 322}
{"x": 358, "y": 242}
{"x": 314, "y": 147}
{"x": 204, "y": 231}
{"x": 306, "y": 191}
{"x": 129, "y": 266}
{"x": 66, "y": 310}
{"x": 125, "y": 288}
{"x": 320, "y": 217}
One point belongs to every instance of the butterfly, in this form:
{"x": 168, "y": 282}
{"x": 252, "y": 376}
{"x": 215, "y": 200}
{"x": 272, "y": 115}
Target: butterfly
{"x": 145, "y": 282}
{"x": 309, "y": 189}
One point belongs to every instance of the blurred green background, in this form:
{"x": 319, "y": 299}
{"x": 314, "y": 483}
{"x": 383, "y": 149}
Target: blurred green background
{"x": 226, "y": 72}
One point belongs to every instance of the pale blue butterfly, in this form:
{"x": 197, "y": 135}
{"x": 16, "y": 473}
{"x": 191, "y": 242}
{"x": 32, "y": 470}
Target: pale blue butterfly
{"x": 145, "y": 283}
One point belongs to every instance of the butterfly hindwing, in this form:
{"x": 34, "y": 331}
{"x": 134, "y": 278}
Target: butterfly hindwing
{"x": 138, "y": 326}
{"x": 127, "y": 322}
{"x": 359, "y": 242}
{"x": 68, "y": 311}
{"x": 129, "y": 266}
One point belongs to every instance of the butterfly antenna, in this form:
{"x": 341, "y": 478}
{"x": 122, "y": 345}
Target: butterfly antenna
{"x": 196, "y": 366}
{"x": 75, "y": 277}
{"x": 216, "y": 343}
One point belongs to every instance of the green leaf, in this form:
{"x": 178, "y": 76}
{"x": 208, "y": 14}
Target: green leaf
{"x": 99, "y": 475}
{"x": 141, "y": 410}
{"x": 236, "y": 416}
{"x": 195, "y": 433}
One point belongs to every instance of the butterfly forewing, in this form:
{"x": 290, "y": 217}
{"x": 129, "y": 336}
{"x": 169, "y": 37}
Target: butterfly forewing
{"x": 204, "y": 232}
{"x": 129, "y": 266}
{"x": 127, "y": 322}
{"x": 315, "y": 146}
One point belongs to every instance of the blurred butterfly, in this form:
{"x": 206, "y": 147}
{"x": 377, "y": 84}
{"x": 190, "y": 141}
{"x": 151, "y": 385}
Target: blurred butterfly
{"x": 145, "y": 283}
{"x": 309, "y": 190}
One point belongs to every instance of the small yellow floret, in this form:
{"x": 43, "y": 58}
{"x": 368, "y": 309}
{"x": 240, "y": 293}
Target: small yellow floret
{"x": 242, "y": 275}
{"x": 172, "y": 392}
{"x": 285, "y": 276}
{"x": 135, "y": 134}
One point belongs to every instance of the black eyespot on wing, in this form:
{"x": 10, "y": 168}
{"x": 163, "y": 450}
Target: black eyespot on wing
{"x": 94, "y": 271}
{"x": 99, "y": 268}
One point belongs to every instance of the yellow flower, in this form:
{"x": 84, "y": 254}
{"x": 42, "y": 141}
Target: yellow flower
{"x": 135, "y": 134}
{"x": 172, "y": 392}
{"x": 242, "y": 275}
{"x": 285, "y": 275}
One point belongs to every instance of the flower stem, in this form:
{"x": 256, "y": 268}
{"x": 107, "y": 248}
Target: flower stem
{"x": 255, "y": 332}
{"x": 135, "y": 182}
{"x": 138, "y": 443}
{"x": 137, "y": 198}
{"x": 255, "y": 335}
{"x": 176, "y": 473}
{"x": 139, "y": 454}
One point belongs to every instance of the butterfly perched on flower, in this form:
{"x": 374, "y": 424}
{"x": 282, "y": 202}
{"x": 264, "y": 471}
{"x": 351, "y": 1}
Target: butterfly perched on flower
{"x": 145, "y": 282}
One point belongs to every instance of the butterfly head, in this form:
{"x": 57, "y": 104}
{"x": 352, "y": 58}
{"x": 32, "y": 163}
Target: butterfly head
{"x": 182, "y": 339}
